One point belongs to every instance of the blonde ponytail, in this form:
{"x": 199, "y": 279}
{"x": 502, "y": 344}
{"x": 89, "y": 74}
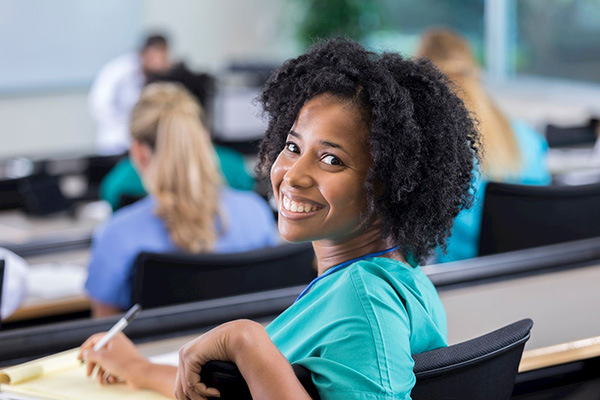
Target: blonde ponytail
{"x": 183, "y": 174}
{"x": 452, "y": 54}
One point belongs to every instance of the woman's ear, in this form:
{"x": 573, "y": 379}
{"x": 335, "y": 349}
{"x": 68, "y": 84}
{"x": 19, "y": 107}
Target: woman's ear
{"x": 141, "y": 155}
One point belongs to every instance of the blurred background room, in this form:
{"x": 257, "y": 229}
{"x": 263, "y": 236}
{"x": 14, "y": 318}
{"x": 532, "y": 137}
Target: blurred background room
{"x": 72, "y": 71}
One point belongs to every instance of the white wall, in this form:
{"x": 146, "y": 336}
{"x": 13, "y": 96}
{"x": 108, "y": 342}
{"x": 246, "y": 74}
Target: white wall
{"x": 35, "y": 125}
{"x": 208, "y": 33}
{"x": 205, "y": 33}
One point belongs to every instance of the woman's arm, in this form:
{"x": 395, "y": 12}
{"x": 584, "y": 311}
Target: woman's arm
{"x": 268, "y": 373}
{"x": 120, "y": 360}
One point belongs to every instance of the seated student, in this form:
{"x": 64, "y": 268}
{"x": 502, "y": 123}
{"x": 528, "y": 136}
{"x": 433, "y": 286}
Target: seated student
{"x": 513, "y": 151}
{"x": 188, "y": 209}
{"x": 14, "y": 287}
{"x": 370, "y": 158}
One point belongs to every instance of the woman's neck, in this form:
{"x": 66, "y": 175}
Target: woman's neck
{"x": 330, "y": 253}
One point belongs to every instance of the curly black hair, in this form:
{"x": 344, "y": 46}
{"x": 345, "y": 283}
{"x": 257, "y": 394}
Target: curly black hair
{"x": 424, "y": 143}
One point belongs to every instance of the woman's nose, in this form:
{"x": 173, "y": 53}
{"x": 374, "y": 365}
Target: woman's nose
{"x": 299, "y": 173}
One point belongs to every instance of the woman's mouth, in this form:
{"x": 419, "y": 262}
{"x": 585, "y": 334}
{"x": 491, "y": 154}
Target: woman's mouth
{"x": 299, "y": 207}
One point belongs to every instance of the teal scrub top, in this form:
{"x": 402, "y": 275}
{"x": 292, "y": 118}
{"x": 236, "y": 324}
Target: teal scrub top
{"x": 357, "y": 329}
{"x": 464, "y": 238}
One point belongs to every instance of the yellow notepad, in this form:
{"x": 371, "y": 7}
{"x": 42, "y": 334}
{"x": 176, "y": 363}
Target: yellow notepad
{"x": 62, "y": 377}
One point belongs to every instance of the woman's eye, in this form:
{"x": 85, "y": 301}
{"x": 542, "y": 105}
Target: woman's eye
{"x": 332, "y": 160}
{"x": 290, "y": 146}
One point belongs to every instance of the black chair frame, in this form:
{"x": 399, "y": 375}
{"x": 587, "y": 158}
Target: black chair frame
{"x": 518, "y": 217}
{"x": 167, "y": 279}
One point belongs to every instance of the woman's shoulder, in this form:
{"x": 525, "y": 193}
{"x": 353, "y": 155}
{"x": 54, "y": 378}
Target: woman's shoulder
{"x": 243, "y": 199}
{"x": 383, "y": 268}
{"x": 135, "y": 217}
{"x": 384, "y": 279}
{"x": 380, "y": 277}
{"x": 527, "y": 135}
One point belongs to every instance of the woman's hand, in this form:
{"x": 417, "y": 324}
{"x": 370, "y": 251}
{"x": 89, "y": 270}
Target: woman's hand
{"x": 213, "y": 345}
{"x": 117, "y": 360}
{"x": 267, "y": 372}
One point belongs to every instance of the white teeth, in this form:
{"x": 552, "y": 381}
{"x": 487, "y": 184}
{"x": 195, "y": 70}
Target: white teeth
{"x": 297, "y": 207}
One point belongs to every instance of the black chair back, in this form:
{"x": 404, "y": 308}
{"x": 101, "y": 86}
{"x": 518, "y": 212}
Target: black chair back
{"x": 166, "y": 279}
{"x": 482, "y": 368}
{"x": 560, "y": 136}
{"x": 517, "y": 217}
{"x": 226, "y": 377}
{"x": 98, "y": 167}
{"x": 10, "y": 197}
{"x": 1, "y": 284}
{"x": 42, "y": 195}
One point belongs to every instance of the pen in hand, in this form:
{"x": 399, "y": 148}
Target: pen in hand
{"x": 118, "y": 327}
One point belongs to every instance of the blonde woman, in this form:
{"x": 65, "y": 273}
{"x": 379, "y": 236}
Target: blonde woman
{"x": 187, "y": 210}
{"x": 513, "y": 151}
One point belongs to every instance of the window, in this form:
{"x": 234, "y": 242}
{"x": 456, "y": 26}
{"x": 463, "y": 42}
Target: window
{"x": 557, "y": 38}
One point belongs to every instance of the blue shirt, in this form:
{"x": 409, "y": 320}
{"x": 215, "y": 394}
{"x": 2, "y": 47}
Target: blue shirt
{"x": 248, "y": 221}
{"x": 464, "y": 238}
{"x": 357, "y": 329}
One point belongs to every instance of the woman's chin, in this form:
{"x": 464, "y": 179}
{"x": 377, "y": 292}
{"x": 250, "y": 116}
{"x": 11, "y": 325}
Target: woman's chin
{"x": 294, "y": 236}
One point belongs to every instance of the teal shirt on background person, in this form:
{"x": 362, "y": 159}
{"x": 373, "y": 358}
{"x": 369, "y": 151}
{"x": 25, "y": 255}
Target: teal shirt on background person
{"x": 463, "y": 242}
{"x": 357, "y": 329}
{"x": 123, "y": 179}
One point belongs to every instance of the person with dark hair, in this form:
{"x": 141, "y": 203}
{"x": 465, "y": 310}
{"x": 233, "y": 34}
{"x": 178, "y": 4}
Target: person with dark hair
{"x": 123, "y": 181}
{"x": 117, "y": 88}
{"x": 370, "y": 158}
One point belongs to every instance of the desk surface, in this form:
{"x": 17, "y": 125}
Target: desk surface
{"x": 65, "y": 269}
{"x": 18, "y": 228}
{"x": 32, "y": 309}
{"x": 560, "y": 354}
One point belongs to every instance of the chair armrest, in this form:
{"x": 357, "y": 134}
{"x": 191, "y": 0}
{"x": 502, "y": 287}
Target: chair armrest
{"x": 226, "y": 377}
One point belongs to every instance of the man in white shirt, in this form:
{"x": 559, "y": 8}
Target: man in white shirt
{"x": 117, "y": 88}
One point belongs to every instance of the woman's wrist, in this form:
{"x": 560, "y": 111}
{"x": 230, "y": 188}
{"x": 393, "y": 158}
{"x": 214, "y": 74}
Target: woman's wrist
{"x": 141, "y": 372}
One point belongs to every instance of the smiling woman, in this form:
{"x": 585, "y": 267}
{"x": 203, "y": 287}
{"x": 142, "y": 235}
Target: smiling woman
{"x": 370, "y": 158}
{"x": 318, "y": 178}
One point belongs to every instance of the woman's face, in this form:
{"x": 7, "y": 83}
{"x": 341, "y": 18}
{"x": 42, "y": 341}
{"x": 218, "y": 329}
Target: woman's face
{"x": 319, "y": 177}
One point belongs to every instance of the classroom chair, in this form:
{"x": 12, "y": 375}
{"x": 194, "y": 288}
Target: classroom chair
{"x": 10, "y": 197}
{"x": 1, "y": 284}
{"x": 98, "y": 166}
{"x": 569, "y": 136}
{"x": 482, "y": 368}
{"x": 42, "y": 195}
{"x": 166, "y": 279}
{"x": 517, "y": 217}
